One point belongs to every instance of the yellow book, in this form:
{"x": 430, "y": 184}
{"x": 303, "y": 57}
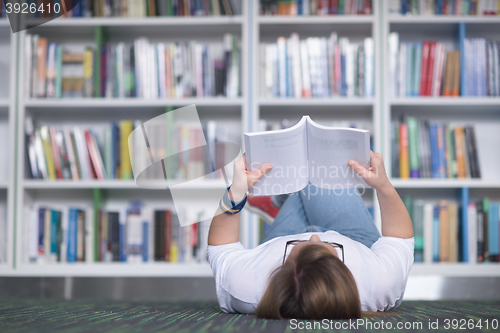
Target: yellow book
{"x": 173, "y": 93}
{"x": 88, "y": 67}
{"x": 125, "y": 165}
{"x": 174, "y": 251}
{"x": 404, "y": 159}
{"x": 444, "y": 231}
{"x": 49, "y": 159}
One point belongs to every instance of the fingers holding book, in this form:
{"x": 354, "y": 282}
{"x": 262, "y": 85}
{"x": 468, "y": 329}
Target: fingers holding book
{"x": 244, "y": 180}
{"x": 375, "y": 176}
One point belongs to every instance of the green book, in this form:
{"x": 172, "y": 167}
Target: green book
{"x": 408, "y": 202}
{"x": 418, "y": 229}
{"x": 412, "y": 124}
{"x": 169, "y": 7}
{"x": 409, "y": 69}
{"x": 59, "y": 55}
{"x": 108, "y": 152}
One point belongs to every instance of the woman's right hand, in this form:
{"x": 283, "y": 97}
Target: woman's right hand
{"x": 244, "y": 180}
{"x": 375, "y": 176}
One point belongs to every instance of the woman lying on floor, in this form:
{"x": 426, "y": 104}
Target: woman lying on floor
{"x": 323, "y": 257}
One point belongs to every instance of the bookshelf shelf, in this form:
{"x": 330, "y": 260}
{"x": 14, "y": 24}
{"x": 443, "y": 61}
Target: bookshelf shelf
{"x": 456, "y": 269}
{"x": 137, "y": 22}
{"x": 316, "y": 101}
{"x": 130, "y": 102}
{"x": 114, "y": 269}
{"x": 450, "y": 101}
{"x": 4, "y": 102}
{"x": 327, "y": 19}
{"x": 115, "y": 184}
{"x": 444, "y": 183}
{"x": 4, "y": 185}
{"x": 442, "y": 19}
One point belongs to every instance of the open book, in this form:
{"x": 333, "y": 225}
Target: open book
{"x": 307, "y": 152}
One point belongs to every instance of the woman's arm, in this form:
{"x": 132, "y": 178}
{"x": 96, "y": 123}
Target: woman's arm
{"x": 225, "y": 228}
{"x": 396, "y": 221}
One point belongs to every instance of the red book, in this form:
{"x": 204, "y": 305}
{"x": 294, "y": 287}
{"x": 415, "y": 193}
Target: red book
{"x": 168, "y": 233}
{"x": 334, "y": 7}
{"x": 194, "y": 238}
{"x": 425, "y": 64}
{"x": 55, "y": 152}
{"x": 430, "y": 68}
{"x": 368, "y": 7}
{"x": 94, "y": 169}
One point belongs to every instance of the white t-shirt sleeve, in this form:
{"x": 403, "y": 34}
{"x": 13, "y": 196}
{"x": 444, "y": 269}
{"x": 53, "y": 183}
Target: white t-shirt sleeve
{"x": 220, "y": 258}
{"x": 395, "y": 259}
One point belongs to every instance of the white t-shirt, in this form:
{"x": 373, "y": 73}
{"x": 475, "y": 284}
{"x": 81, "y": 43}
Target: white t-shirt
{"x": 380, "y": 272}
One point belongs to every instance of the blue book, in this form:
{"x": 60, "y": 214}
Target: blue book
{"x": 418, "y": 69}
{"x": 464, "y": 223}
{"x": 115, "y": 148}
{"x": 439, "y": 7}
{"x": 77, "y": 9}
{"x": 435, "y": 235}
{"x": 404, "y": 10}
{"x": 53, "y": 232}
{"x": 145, "y": 240}
{"x": 122, "y": 217}
{"x": 493, "y": 231}
{"x": 441, "y": 139}
{"x": 41, "y": 230}
{"x": 343, "y": 84}
{"x": 72, "y": 234}
{"x": 434, "y": 149}
{"x": 461, "y": 42}
{"x": 299, "y": 7}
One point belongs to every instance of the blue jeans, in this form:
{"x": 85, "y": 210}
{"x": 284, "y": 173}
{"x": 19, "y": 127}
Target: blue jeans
{"x": 315, "y": 209}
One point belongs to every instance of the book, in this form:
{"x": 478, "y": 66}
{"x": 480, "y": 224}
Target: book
{"x": 307, "y": 152}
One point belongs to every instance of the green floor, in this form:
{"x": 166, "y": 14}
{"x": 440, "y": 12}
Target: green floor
{"x": 24, "y": 315}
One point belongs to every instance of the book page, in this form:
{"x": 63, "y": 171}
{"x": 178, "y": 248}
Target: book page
{"x": 286, "y": 151}
{"x": 329, "y": 151}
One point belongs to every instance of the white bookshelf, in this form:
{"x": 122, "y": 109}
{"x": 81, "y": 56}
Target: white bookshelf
{"x": 8, "y": 46}
{"x": 243, "y": 113}
{"x": 482, "y": 112}
{"x": 98, "y": 112}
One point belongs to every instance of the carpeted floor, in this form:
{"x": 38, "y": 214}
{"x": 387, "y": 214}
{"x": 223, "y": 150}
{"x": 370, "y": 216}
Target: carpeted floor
{"x": 26, "y": 315}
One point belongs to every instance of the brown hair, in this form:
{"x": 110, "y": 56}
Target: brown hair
{"x": 313, "y": 285}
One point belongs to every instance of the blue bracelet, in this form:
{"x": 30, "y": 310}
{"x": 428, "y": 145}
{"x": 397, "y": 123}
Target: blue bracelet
{"x": 230, "y": 207}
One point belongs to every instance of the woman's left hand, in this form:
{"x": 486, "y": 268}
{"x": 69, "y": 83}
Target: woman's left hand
{"x": 244, "y": 180}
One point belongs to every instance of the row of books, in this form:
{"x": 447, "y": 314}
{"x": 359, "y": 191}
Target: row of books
{"x": 139, "y": 69}
{"x": 317, "y": 67}
{"x": 455, "y": 231}
{"x": 132, "y": 234}
{"x": 139, "y": 8}
{"x": 427, "y": 69}
{"x": 315, "y": 7}
{"x": 78, "y": 154}
{"x": 425, "y": 149}
{"x": 422, "y": 69}
{"x": 444, "y": 7}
